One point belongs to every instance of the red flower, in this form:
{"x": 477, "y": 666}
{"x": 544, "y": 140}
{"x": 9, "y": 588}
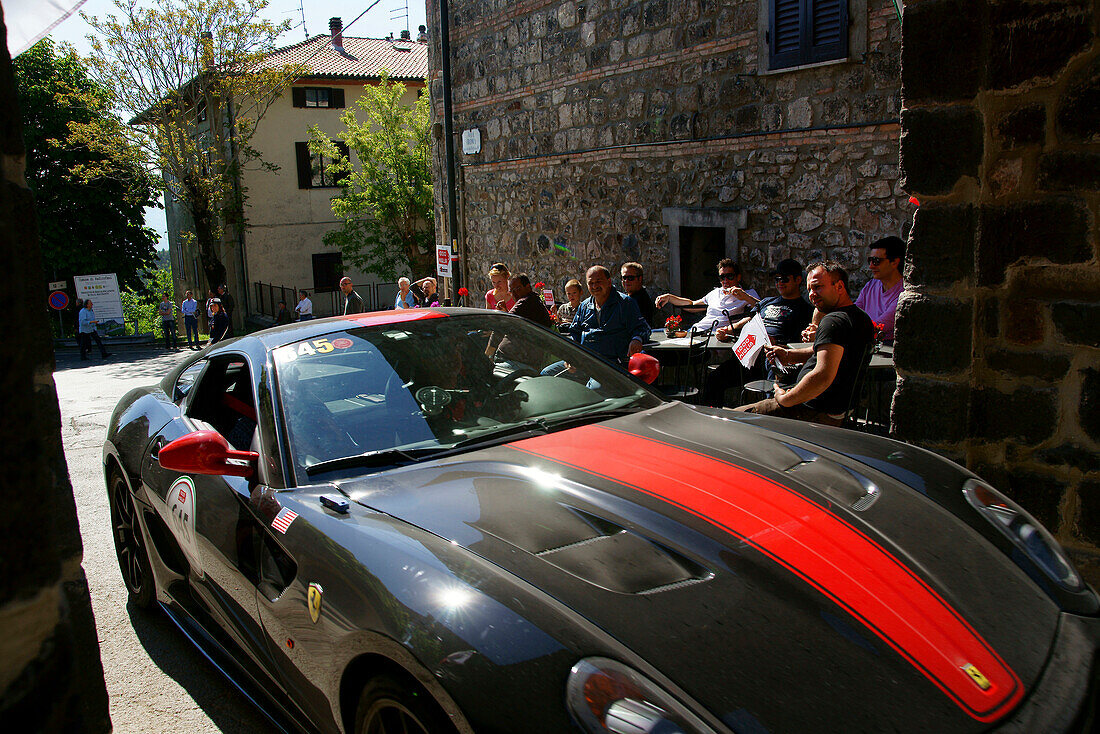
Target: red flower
{"x": 463, "y": 292}
{"x": 540, "y": 284}
{"x": 913, "y": 201}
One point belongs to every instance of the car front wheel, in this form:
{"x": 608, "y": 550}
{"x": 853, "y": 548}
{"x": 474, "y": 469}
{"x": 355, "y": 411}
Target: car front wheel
{"x": 386, "y": 706}
{"x": 133, "y": 559}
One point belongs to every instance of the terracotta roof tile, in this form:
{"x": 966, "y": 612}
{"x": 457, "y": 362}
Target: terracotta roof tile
{"x": 362, "y": 58}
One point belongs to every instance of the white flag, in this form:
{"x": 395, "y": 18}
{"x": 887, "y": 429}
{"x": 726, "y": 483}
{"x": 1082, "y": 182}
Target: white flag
{"x": 753, "y": 338}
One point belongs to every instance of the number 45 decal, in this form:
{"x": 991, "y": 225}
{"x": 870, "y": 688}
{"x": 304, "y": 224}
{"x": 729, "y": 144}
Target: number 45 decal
{"x": 317, "y": 346}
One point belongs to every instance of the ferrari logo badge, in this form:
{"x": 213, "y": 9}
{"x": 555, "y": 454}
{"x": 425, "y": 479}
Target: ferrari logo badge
{"x": 976, "y": 675}
{"x": 314, "y": 601}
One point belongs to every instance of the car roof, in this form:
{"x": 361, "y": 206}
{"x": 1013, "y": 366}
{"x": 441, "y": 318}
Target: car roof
{"x": 279, "y": 335}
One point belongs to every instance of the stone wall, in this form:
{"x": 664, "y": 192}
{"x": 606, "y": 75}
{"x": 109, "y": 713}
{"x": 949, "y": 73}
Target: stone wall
{"x": 51, "y": 678}
{"x": 998, "y": 331}
{"x": 595, "y": 117}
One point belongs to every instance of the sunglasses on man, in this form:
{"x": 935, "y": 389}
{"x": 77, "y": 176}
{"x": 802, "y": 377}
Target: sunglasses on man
{"x": 782, "y": 278}
{"x": 727, "y": 276}
{"x": 876, "y": 260}
{"x": 631, "y": 277}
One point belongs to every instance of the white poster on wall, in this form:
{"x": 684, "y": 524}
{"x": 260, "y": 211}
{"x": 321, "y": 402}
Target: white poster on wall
{"x": 103, "y": 290}
{"x": 443, "y": 261}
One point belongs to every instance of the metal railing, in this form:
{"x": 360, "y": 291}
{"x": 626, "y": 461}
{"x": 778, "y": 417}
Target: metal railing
{"x": 268, "y": 296}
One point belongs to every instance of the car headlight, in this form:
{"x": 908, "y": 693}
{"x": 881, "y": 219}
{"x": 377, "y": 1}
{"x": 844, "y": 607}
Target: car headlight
{"x": 607, "y": 696}
{"x": 1024, "y": 532}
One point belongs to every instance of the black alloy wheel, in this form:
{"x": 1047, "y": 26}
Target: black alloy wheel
{"x": 133, "y": 559}
{"x": 388, "y": 707}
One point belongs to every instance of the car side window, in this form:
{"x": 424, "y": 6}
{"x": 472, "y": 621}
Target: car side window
{"x": 187, "y": 379}
{"x": 223, "y": 398}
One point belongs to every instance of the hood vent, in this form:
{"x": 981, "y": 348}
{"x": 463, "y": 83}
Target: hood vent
{"x": 606, "y": 555}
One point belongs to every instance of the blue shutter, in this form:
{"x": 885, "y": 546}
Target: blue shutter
{"x": 828, "y": 26}
{"x": 784, "y": 46}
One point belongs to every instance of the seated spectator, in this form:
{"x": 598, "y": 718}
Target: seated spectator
{"x": 405, "y": 298}
{"x": 607, "y": 323}
{"x": 499, "y": 297}
{"x": 427, "y": 295}
{"x": 633, "y": 285}
{"x": 728, "y": 298}
{"x": 528, "y": 305}
{"x": 785, "y": 316}
{"x": 879, "y": 297}
{"x": 566, "y": 310}
{"x": 824, "y": 385}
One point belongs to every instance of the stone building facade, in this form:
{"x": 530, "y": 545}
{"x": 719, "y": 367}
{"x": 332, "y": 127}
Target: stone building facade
{"x": 655, "y": 131}
{"x": 998, "y": 331}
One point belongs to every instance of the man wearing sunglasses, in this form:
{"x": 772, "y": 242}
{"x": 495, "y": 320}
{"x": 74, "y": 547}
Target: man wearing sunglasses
{"x": 785, "y": 316}
{"x": 728, "y": 298}
{"x": 633, "y": 286}
{"x": 879, "y": 297}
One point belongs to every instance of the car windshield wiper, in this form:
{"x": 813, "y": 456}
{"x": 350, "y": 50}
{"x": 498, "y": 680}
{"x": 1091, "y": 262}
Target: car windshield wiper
{"x": 382, "y": 457}
{"x": 536, "y": 425}
{"x": 572, "y": 421}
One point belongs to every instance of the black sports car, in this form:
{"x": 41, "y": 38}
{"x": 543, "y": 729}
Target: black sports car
{"x": 373, "y": 526}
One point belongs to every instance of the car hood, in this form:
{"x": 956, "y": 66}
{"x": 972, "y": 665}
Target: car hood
{"x": 782, "y": 586}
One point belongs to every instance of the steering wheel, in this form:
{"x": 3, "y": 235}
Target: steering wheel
{"x": 505, "y": 384}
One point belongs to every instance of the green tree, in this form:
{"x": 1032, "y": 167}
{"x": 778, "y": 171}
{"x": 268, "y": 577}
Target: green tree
{"x": 386, "y": 202}
{"x": 193, "y": 73}
{"x": 90, "y": 203}
{"x": 139, "y": 305}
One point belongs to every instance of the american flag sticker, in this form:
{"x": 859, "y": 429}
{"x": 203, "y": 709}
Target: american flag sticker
{"x": 283, "y": 519}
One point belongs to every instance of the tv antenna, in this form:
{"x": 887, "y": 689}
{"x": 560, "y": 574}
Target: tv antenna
{"x": 399, "y": 12}
{"x": 302, "y": 15}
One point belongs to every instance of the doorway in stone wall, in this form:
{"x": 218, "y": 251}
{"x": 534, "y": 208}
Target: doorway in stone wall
{"x": 697, "y": 240}
{"x": 700, "y": 250}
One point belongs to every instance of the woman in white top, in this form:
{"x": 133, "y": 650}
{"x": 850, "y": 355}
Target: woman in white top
{"x": 727, "y": 300}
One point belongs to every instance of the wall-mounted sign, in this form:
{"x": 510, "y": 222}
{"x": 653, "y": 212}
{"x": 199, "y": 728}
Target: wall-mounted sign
{"x": 59, "y": 285}
{"x": 443, "y": 261}
{"x": 548, "y": 296}
{"x": 471, "y": 141}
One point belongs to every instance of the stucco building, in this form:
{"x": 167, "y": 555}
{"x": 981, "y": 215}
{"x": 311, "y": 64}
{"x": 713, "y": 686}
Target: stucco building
{"x": 673, "y": 133}
{"x": 288, "y": 210}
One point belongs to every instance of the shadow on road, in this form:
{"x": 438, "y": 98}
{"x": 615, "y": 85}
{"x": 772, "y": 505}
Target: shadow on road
{"x": 174, "y": 654}
{"x": 150, "y": 363}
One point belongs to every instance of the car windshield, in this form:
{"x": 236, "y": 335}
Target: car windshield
{"x": 393, "y": 393}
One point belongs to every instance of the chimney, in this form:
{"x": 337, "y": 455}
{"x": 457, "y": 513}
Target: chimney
{"x": 422, "y": 35}
{"x": 336, "y": 27}
{"x": 405, "y": 35}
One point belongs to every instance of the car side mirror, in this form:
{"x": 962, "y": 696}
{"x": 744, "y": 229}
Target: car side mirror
{"x": 207, "y": 452}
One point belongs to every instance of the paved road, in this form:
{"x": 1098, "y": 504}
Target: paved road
{"x": 156, "y": 680}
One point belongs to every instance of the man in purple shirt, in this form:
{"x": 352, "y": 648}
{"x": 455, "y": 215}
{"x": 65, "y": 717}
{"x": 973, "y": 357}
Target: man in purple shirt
{"x": 879, "y": 297}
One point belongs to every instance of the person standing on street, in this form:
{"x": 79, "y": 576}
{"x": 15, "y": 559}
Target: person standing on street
{"x": 353, "y": 303}
{"x": 228, "y": 305}
{"x": 219, "y": 325}
{"x": 86, "y": 331}
{"x": 304, "y": 309}
{"x": 189, "y": 308}
{"x": 282, "y": 315}
{"x": 167, "y": 311}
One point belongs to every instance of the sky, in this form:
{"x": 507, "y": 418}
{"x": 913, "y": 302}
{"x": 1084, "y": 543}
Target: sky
{"x": 381, "y": 20}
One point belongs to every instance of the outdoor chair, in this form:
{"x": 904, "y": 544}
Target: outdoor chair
{"x": 689, "y": 387}
{"x": 854, "y": 400}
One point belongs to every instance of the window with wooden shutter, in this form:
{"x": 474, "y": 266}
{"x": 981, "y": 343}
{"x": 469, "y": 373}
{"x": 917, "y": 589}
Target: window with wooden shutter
{"x": 807, "y": 32}
{"x": 315, "y": 171}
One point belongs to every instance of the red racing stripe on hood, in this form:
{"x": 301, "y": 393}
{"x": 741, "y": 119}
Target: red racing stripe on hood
{"x": 396, "y": 316}
{"x": 819, "y": 547}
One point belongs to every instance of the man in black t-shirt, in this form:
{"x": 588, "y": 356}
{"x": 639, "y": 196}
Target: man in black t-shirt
{"x": 825, "y": 383}
{"x": 785, "y": 316}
